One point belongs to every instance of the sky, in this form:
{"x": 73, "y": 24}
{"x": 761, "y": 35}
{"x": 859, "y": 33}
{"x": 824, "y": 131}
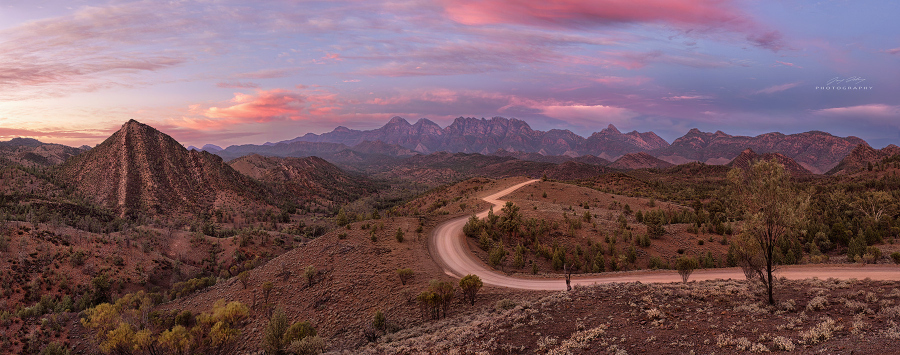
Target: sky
{"x": 236, "y": 72}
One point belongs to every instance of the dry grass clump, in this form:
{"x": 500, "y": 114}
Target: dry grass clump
{"x": 740, "y": 344}
{"x": 782, "y": 343}
{"x": 892, "y": 331}
{"x": 818, "y": 303}
{"x": 788, "y": 306}
{"x": 821, "y": 332}
{"x": 579, "y": 340}
{"x": 856, "y": 307}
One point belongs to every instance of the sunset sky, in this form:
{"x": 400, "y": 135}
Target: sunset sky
{"x": 233, "y": 72}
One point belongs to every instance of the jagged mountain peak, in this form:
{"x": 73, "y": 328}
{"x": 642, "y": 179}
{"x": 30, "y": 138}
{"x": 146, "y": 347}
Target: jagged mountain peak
{"x": 397, "y": 120}
{"x": 611, "y": 129}
{"x": 426, "y": 122}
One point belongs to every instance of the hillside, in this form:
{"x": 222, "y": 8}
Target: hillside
{"x": 309, "y": 178}
{"x": 33, "y": 153}
{"x": 862, "y": 157}
{"x": 816, "y": 151}
{"x": 641, "y": 160}
{"x": 748, "y": 156}
{"x": 574, "y": 170}
{"x": 141, "y": 171}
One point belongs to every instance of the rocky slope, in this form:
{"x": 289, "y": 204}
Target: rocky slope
{"x": 748, "y": 156}
{"x": 303, "y": 178}
{"x": 139, "y": 170}
{"x": 611, "y": 144}
{"x": 816, "y": 151}
{"x": 473, "y": 135}
{"x": 641, "y": 160}
{"x": 861, "y": 157}
{"x": 33, "y": 153}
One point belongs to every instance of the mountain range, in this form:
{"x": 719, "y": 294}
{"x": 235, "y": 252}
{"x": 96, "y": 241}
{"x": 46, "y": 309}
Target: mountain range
{"x": 472, "y": 135}
{"x": 33, "y": 153}
{"x": 815, "y": 151}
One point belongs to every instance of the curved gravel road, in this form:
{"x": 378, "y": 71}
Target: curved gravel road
{"x": 450, "y": 250}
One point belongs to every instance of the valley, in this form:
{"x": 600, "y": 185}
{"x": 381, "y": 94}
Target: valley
{"x": 139, "y": 245}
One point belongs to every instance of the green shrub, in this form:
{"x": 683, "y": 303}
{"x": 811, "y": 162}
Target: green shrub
{"x": 273, "y": 336}
{"x": 181, "y": 289}
{"x": 498, "y": 254}
{"x": 856, "y": 248}
{"x": 55, "y": 348}
{"x": 874, "y": 252}
{"x": 470, "y": 284}
{"x": 896, "y": 257}
{"x": 686, "y": 266}
{"x": 505, "y": 304}
{"x": 378, "y": 321}
{"x": 642, "y": 241}
{"x": 559, "y": 259}
{"x": 484, "y": 241}
{"x": 657, "y": 263}
{"x": 405, "y": 275}
{"x": 310, "y": 275}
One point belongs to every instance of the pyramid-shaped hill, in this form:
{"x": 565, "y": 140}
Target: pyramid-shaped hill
{"x": 140, "y": 170}
{"x": 304, "y": 178}
{"x": 748, "y": 157}
{"x": 640, "y": 160}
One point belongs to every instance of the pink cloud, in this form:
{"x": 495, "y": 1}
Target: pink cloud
{"x": 54, "y": 134}
{"x": 892, "y": 51}
{"x": 586, "y": 114}
{"x": 450, "y": 58}
{"x": 237, "y": 85}
{"x": 879, "y": 111}
{"x": 333, "y": 56}
{"x": 618, "y": 80}
{"x": 269, "y": 73}
{"x": 265, "y": 106}
{"x": 92, "y": 48}
{"x": 778, "y": 88}
{"x": 439, "y": 96}
{"x": 788, "y": 64}
{"x": 687, "y": 97}
{"x": 701, "y": 15}
{"x": 635, "y": 60}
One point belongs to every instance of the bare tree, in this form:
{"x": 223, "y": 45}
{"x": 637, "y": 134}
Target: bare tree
{"x": 873, "y": 204}
{"x": 773, "y": 209}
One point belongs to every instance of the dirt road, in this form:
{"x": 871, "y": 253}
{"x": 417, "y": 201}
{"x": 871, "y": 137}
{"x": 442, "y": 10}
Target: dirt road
{"x": 450, "y": 250}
